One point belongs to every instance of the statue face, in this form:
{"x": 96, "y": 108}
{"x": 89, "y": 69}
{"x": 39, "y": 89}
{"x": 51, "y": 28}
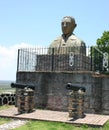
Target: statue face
{"x": 67, "y": 26}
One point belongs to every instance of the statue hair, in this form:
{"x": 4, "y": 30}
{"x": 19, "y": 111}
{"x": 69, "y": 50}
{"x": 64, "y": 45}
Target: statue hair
{"x": 71, "y": 18}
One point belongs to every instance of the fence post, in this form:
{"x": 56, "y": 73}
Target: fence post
{"x": 18, "y": 60}
{"x": 91, "y": 59}
{"x": 52, "y": 58}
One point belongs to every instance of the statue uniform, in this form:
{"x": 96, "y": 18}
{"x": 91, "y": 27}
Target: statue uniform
{"x": 64, "y": 45}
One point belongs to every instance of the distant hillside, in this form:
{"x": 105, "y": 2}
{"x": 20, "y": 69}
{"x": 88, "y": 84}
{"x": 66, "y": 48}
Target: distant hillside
{"x": 5, "y": 83}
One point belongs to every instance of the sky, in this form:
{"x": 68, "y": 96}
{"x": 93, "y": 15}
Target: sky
{"x": 26, "y": 23}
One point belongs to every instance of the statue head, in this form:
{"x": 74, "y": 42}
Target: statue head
{"x": 68, "y": 25}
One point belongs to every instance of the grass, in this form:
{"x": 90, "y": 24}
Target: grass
{"x": 8, "y": 90}
{"x": 4, "y": 120}
{"x": 5, "y": 107}
{"x": 45, "y": 125}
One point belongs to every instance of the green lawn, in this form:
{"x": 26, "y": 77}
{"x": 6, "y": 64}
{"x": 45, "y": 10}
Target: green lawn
{"x": 4, "y": 120}
{"x": 5, "y": 107}
{"x": 8, "y": 90}
{"x": 45, "y": 125}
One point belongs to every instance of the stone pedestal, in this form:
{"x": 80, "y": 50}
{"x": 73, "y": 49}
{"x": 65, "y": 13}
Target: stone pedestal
{"x": 76, "y": 104}
{"x": 25, "y": 100}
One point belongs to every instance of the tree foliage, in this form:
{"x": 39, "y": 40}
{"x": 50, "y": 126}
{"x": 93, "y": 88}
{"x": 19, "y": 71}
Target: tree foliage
{"x": 102, "y": 46}
{"x": 103, "y": 42}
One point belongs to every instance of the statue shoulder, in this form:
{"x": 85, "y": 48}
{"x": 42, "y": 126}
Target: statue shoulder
{"x": 77, "y": 40}
{"x": 56, "y": 42}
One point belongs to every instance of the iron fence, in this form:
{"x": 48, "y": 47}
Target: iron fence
{"x": 67, "y": 59}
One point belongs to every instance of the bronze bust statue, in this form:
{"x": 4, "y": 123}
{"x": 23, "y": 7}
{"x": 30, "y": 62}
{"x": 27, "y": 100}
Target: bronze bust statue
{"x": 67, "y": 42}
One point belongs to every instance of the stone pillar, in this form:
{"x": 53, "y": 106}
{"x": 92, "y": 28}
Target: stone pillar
{"x": 76, "y": 104}
{"x": 25, "y": 100}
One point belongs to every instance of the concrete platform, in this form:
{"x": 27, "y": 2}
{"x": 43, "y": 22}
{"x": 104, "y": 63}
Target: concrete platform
{"x": 56, "y": 116}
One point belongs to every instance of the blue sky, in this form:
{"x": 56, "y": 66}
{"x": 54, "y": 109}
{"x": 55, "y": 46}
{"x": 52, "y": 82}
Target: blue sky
{"x": 32, "y": 22}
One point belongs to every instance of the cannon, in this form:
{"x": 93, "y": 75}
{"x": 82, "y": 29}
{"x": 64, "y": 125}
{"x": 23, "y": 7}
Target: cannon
{"x": 22, "y": 86}
{"x": 74, "y": 87}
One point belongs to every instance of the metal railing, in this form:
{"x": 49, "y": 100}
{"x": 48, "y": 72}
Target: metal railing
{"x": 68, "y": 59}
{"x": 100, "y": 60}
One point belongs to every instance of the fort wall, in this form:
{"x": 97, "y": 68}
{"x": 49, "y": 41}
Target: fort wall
{"x": 51, "y": 93}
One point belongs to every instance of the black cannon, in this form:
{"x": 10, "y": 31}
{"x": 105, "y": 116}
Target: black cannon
{"x": 74, "y": 87}
{"x": 22, "y": 86}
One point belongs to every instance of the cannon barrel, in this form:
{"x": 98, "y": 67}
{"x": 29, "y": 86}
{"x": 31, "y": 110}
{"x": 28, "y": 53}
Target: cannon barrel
{"x": 73, "y": 87}
{"x": 22, "y": 86}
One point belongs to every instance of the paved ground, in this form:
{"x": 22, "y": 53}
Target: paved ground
{"x": 56, "y": 116}
{"x": 12, "y": 124}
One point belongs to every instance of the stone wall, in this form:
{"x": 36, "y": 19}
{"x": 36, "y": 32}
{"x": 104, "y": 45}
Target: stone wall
{"x": 51, "y": 93}
{"x": 105, "y": 95}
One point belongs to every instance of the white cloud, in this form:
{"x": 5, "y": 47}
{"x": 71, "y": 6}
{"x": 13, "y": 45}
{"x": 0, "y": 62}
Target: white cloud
{"x": 8, "y": 61}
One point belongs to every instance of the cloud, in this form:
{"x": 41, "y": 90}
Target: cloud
{"x": 8, "y": 61}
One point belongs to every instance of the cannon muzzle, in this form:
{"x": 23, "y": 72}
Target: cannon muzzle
{"x": 22, "y": 86}
{"x": 73, "y": 87}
